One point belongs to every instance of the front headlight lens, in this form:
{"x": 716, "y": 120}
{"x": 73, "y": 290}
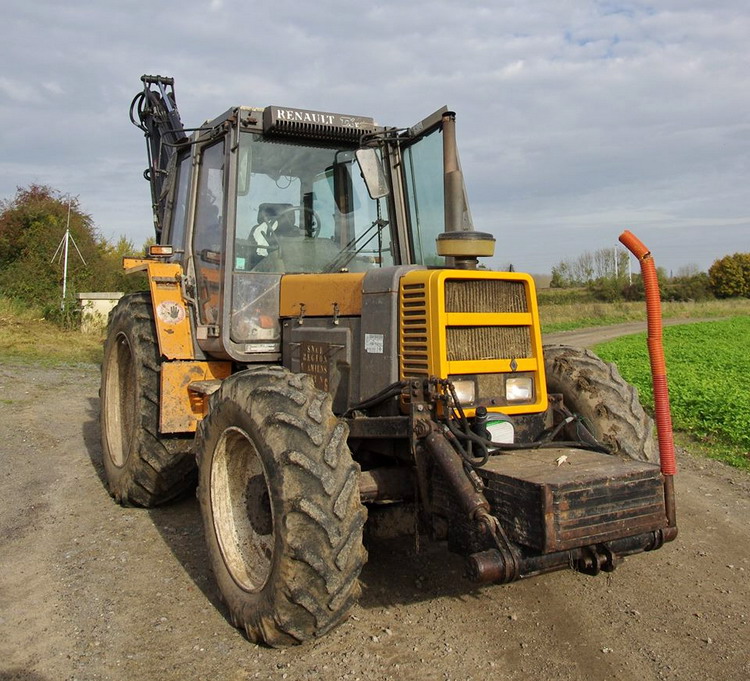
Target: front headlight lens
{"x": 519, "y": 389}
{"x": 466, "y": 391}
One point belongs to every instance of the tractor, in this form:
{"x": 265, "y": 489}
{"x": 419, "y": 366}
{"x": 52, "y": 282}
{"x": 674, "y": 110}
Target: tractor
{"x": 320, "y": 351}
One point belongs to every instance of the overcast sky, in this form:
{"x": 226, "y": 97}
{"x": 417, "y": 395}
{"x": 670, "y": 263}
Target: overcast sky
{"x": 576, "y": 119}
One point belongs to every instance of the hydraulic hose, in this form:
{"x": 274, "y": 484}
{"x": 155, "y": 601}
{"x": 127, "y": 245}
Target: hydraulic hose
{"x": 656, "y": 352}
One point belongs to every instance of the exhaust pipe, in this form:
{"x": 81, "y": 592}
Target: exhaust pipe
{"x": 460, "y": 244}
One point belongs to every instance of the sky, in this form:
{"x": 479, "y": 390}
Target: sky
{"x": 576, "y": 119}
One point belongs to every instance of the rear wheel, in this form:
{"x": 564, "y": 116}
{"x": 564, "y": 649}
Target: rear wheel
{"x": 142, "y": 466}
{"x": 609, "y": 405}
{"x": 279, "y": 495}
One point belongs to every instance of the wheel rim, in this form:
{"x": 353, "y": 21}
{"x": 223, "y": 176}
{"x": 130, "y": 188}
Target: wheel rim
{"x": 241, "y": 510}
{"x": 120, "y": 400}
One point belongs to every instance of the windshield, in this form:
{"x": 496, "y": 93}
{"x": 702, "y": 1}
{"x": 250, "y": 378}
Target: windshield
{"x": 305, "y": 208}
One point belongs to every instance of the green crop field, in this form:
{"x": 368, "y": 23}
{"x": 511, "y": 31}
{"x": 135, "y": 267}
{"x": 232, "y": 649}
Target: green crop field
{"x": 708, "y": 365}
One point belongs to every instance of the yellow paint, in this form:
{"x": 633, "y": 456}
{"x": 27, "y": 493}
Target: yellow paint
{"x": 422, "y": 306}
{"x": 171, "y": 313}
{"x": 321, "y": 294}
{"x": 180, "y": 410}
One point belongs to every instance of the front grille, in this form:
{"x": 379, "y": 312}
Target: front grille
{"x": 482, "y": 325}
{"x": 485, "y": 295}
{"x": 414, "y": 350}
{"x": 488, "y": 342}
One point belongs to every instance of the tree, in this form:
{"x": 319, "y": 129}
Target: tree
{"x": 32, "y": 225}
{"x": 690, "y": 270}
{"x": 606, "y": 264}
{"x": 561, "y": 276}
{"x": 730, "y": 276}
{"x": 113, "y": 277}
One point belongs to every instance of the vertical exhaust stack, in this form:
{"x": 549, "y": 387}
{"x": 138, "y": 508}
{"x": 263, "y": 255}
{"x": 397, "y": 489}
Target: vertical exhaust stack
{"x": 457, "y": 217}
{"x": 460, "y": 244}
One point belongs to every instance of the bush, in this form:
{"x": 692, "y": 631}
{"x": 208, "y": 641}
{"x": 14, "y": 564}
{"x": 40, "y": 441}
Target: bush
{"x": 688, "y": 288}
{"x": 606, "y": 290}
{"x": 730, "y": 276}
{"x": 66, "y": 317}
{"x": 32, "y": 227}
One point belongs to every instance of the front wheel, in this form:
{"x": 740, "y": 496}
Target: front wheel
{"x": 279, "y": 496}
{"x": 594, "y": 389}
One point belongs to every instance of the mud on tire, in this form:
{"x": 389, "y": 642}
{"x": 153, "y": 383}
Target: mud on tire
{"x": 610, "y": 406}
{"x": 279, "y": 496}
{"x": 142, "y": 467}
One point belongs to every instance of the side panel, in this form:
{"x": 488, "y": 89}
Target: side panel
{"x": 379, "y": 347}
{"x": 347, "y": 338}
{"x": 170, "y": 310}
{"x": 179, "y": 409}
{"x": 321, "y": 295}
{"x": 325, "y": 351}
{"x": 321, "y": 330}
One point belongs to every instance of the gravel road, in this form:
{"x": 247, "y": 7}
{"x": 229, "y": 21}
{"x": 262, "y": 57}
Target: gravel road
{"x": 90, "y": 591}
{"x": 587, "y": 337}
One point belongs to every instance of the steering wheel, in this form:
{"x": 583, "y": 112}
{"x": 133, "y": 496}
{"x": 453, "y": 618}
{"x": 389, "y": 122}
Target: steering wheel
{"x": 315, "y": 230}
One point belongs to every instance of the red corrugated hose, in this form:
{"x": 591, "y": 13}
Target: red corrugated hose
{"x": 662, "y": 412}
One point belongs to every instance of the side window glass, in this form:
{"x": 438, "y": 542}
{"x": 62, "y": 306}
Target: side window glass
{"x": 423, "y": 175}
{"x": 179, "y": 210}
{"x": 207, "y": 235}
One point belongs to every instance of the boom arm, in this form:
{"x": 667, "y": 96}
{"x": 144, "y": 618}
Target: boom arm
{"x": 154, "y": 110}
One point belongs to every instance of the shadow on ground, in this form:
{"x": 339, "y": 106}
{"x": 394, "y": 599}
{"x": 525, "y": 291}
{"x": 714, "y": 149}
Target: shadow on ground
{"x": 178, "y": 523}
{"x": 396, "y": 573}
{"x": 21, "y": 675}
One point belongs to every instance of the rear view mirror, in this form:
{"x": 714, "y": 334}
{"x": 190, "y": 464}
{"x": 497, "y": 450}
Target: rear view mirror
{"x": 372, "y": 173}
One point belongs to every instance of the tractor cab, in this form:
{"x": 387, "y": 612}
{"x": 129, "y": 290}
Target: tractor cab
{"x": 259, "y": 193}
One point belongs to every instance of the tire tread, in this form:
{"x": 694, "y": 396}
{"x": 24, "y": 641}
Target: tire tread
{"x": 323, "y": 518}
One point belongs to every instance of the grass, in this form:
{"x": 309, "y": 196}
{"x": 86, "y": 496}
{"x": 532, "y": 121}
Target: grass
{"x": 25, "y": 336}
{"x": 581, "y": 315}
{"x": 707, "y": 368}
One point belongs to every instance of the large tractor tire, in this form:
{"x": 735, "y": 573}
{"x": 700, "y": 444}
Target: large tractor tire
{"x": 608, "y": 404}
{"x": 279, "y": 495}
{"x": 142, "y": 467}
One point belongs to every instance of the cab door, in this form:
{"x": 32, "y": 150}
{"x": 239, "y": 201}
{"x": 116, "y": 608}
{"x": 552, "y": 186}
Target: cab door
{"x": 208, "y": 237}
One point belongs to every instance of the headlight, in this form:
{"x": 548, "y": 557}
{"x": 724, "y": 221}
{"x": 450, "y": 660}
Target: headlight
{"x": 466, "y": 391}
{"x": 519, "y": 389}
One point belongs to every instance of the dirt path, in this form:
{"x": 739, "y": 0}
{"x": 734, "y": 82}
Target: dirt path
{"x": 92, "y": 591}
{"x": 588, "y": 337}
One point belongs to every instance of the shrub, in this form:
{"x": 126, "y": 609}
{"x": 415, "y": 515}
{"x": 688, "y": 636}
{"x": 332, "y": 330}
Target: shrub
{"x": 687, "y": 288}
{"x": 730, "y": 276}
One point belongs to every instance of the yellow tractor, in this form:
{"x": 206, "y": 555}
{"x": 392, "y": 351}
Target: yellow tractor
{"x": 320, "y": 350}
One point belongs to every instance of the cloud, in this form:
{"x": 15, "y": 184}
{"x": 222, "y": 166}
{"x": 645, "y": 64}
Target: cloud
{"x": 575, "y": 119}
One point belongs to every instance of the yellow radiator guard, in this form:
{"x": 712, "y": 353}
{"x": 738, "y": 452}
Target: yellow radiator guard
{"x": 494, "y": 315}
